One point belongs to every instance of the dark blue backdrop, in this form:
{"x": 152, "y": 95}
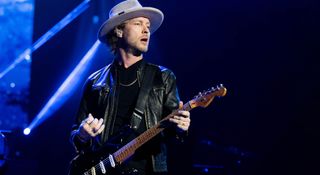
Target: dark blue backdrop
{"x": 264, "y": 52}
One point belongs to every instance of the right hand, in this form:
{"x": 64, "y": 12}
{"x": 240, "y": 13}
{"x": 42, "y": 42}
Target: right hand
{"x": 90, "y": 127}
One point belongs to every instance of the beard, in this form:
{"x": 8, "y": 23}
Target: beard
{"x": 136, "y": 48}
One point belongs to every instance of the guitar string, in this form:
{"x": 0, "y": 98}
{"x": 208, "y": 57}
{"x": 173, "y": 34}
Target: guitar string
{"x": 97, "y": 167}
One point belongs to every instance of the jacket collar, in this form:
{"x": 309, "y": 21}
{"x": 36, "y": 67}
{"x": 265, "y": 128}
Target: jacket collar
{"x": 108, "y": 76}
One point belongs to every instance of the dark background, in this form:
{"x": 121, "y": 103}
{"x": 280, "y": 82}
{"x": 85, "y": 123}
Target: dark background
{"x": 264, "y": 52}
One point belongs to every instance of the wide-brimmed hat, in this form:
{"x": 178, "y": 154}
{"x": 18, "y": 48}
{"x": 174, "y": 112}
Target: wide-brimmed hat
{"x": 127, "y": 10}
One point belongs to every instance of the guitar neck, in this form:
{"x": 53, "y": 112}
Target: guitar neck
{"x": 128, "y": 150}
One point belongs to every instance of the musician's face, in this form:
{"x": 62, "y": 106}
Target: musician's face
{"x": 136, "y": 34}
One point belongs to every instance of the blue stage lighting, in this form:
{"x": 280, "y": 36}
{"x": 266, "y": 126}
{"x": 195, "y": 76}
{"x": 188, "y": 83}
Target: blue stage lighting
{"x": 49, "y": 34}
{"x": 26, "y": 131}
{"x": 205, "y": 170}
{"x": 66, "y": 89}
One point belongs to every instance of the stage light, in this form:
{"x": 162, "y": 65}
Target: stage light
{"x": 28, "y": 58}
{"x": 205, "y": 170}
{"x": 12, "y": 85}
{"x": 95, "y": 19}
{"x": 44, "y": 38}
{"x": 66, "y": 89}
{"x": 26, "y": 131}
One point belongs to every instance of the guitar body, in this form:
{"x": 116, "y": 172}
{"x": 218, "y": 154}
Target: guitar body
{"x": 85, "y": 163}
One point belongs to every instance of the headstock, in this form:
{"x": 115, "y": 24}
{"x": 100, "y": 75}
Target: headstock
{"x": 204, "y": 98}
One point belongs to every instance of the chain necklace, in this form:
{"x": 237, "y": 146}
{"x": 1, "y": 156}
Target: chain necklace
{"x": 130, "y": 84}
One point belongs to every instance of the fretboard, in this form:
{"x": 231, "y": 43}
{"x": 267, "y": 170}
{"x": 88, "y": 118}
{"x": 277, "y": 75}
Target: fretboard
{"x": 128, "y": 150}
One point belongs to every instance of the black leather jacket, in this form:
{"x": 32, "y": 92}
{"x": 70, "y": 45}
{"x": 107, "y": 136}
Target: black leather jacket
{"x": 100, "y": 99}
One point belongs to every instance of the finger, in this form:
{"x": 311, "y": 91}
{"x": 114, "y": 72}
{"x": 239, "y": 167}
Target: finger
{"x": 94, "y": 122}
{"x": 174, "y": 120}
{"x": 96, "y": 127}
{"x": 181, "y": 124}
{"x": 180, "y": 105}
{"x": 185, "y": 114}
{"x": 93, "y": 125}
{"x": 100, "y": 129}
{"x": 179, "y": 118}
{"x": 183, "y": 119}
{"x": 100, "y": 122}
{"x": 89, "y": 119}
{"x": 86, "y": 126}
{"x": 87, "y": 130}
{"x": 176, "y": 117}
{"x": 97, "y": 123}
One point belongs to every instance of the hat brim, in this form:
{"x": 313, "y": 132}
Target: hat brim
{"x": 154, "y": 15}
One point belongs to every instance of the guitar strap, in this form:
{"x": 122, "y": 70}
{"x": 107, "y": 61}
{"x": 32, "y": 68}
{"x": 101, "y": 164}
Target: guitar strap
{"x": 146, "y": 85}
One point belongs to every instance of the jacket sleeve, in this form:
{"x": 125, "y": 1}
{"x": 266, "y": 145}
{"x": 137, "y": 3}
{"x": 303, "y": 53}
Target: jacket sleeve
{"x": 171, "y": 96}
{"x": 171, "y": 103}
{"x": 82, "y": 113}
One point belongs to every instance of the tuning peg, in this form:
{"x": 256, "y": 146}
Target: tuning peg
{"x": 213, "y": 89}
{"x": 198, "y": 95}
{"x": 221, "y": 85}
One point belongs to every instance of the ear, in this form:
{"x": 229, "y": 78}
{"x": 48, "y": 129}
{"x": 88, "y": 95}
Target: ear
{"x": 118, "y": 32}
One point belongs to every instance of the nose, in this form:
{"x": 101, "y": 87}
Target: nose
{"x": 146, "y": 29}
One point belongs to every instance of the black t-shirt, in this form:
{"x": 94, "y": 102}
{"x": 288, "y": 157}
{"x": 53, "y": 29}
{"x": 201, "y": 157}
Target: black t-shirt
{"x": 128, "y": 91}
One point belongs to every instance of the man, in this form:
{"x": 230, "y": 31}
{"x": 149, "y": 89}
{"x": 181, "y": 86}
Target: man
{"x": 130, "y": 95}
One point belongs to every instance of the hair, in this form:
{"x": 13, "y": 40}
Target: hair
{"x": 112, "y": 40}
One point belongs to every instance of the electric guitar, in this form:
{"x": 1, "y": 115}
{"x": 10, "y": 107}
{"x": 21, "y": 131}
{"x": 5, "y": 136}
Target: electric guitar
{"x": 94, "y": 164}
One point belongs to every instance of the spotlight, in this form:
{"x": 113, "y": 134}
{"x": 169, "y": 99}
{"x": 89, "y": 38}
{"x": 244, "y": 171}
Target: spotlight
{"x": 66, "y": 89}
{"x": 95, "y": 19}
{"x": 28, "y": 57}
{"x": 26, "y": 131}
{"x": 12, "y": 85}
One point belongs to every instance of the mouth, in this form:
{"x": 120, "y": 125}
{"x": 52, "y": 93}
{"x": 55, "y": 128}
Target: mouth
{"x": 144, "y": 40}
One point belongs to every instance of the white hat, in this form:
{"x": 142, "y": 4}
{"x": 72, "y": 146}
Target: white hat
{"x": 127, "y": 10}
